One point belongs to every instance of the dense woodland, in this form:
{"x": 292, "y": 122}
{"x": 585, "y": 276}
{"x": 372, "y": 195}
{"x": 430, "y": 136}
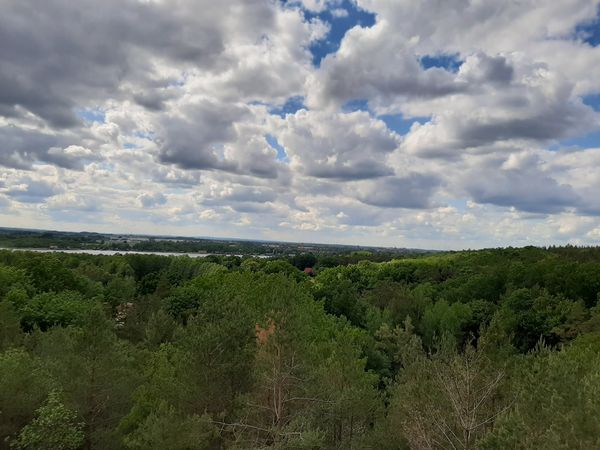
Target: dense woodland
{"x": 492, "y": 349}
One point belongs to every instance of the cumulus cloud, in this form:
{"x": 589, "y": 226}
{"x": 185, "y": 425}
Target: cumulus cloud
{"x": 526, "y": 191}
{"x": 149, "y": 200}
{"x": 411, "y": 191}
{"x": 467, "y": 26}
{"x": 538, "y": 106}
{"x": 47, "y": 69}
{"x": 191, "y": 140}
{"x": 72, "y": 157}
{"x": 19, "y": 148}
{"x": 372, "y": 64}
{"x": 339, "y": 13}
{"x": 27, "y": 190}
{"x": 342, "y": 146}
{"x": 71, "y": 202}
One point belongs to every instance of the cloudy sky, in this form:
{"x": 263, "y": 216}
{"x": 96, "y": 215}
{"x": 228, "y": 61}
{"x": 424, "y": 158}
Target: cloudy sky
{"x": 430, "y": 123}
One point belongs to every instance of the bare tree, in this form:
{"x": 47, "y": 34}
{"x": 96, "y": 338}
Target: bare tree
{"x": 449, "y": 400}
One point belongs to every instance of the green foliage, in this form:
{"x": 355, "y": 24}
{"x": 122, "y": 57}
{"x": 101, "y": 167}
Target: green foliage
{"x": 51, "y": 309}
{"x": 304, "y": 260}
{"x": 558, "y": 401}
{"x": 96, "y": 372}
{"x": 489, "y": 349}
{"x": 399, "y": 300}
{"x": 529, "y": 315}
{"x": 49, "y": 274}
{"x": 55, "y": 427}
{"x": 11, "y": 334}
{"x": 442, "y": 320}
{"x": 165, "y": 428}
{"x": 283, "y": 267}
{"x": 12, "y": 278}
{"x": 23, "y": 387}
{"x": 120, "y": 290}
{"x": 160, "y": 329}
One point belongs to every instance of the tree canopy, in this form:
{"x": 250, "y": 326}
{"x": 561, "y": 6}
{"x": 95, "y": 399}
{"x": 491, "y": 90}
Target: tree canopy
{"x": 488, "y": 349}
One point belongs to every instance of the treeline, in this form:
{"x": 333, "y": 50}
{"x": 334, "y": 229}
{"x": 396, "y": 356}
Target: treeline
{"x": 491, "y": 349}
{"x": 330, "y": 254}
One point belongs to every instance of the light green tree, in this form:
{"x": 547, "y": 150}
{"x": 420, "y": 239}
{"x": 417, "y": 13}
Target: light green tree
{"x": 55, "y": 427}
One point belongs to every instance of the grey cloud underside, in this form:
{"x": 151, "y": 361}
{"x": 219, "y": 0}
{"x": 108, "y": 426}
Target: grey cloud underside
{"x": 32, "y": 191}
{"x": 252, "y": 194}
{"x": 21, "y": 147}
{"x": 58, "y": 54}
{"x": 175, "y": 177}
{"x": 524, "y": 192}
{"x": 148, "y": 200}
{"x": 357, "y": 171}
{"x": 243, "y": 199}
{"x": 554, "y": 123}
{"x": 519, "y": 115}
{"x": 387, "y": 71}
{"x": 206, "y": 139}
{"x": 153, "y": 100}
{"x": 379, "y": 70}
{"x": 412, "y": 191}
{"x": 252, "y": 208}
{"x": 490, "y": 69}
{"x": 189, "y": 142}
{"x": 520, "y": 183}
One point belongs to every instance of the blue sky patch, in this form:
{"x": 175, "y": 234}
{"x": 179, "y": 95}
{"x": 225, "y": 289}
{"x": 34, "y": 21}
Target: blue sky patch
{"x": 358, "y": 104}
{"x": 451, "y": 63}
{"x": 590, "y": 140}
{"x": 589, "y": 32}
{"x": 592, "y": 101}
{"x": 460, "y": 204}
{"x": 339, "y": 24}
{"x": 291, "y": 106}
{"x": 144, "y": 135}
{"x": 397, "y": 123}
{"x": 272, "y": 141}
{"x": 91, "y": 115}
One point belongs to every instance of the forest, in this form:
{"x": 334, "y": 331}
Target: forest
{"x": 489, "y": 349}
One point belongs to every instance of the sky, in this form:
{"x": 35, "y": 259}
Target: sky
{"x": 440, "y": 124}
